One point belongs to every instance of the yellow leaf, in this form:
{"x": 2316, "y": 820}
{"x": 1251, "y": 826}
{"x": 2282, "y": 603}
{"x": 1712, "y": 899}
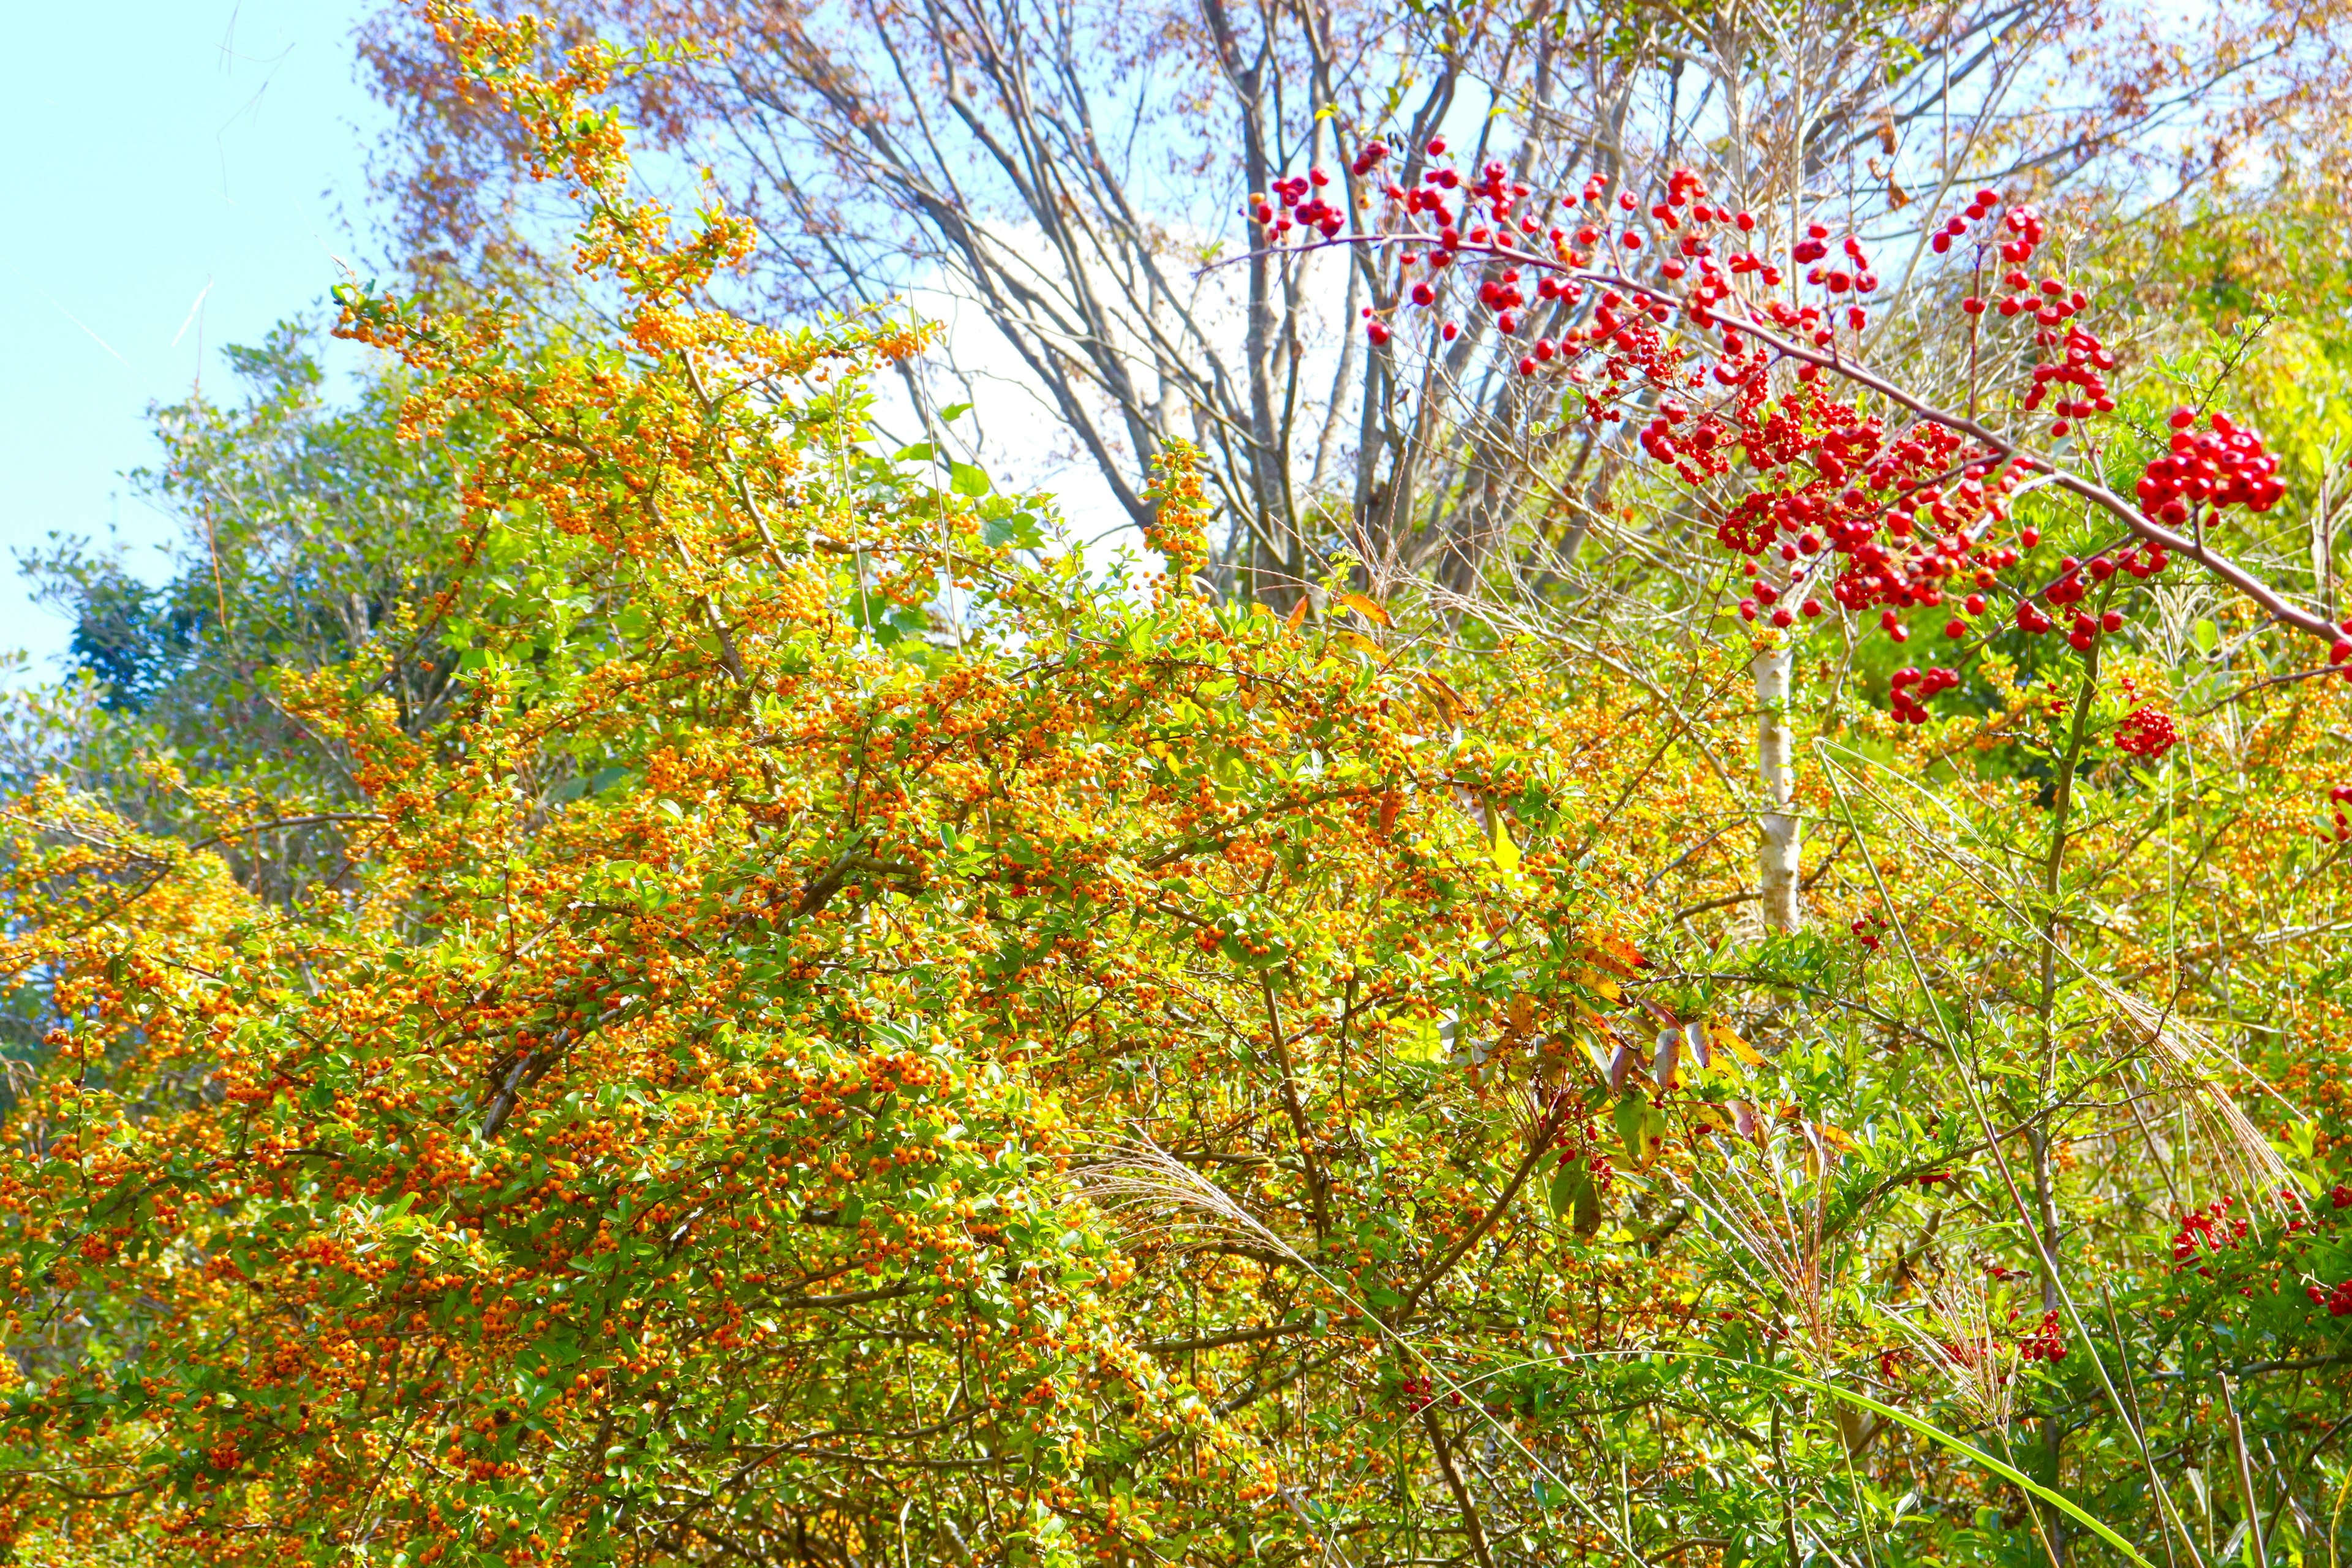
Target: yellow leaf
{"x": 1747, "y": 1054}
{"x": 1615, "y": 953}
{"x": 1448, "y": 702}
{"x": 1298, "y": 614}
{"x": 1366, "y": 608}
{"x": 1506, "y": 854}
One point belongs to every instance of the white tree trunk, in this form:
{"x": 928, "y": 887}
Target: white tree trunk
{"x": 1778, "y": 839}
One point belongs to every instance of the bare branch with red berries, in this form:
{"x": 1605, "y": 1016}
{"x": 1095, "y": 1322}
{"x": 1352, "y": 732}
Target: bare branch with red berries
{"x": 1901, "y": 508}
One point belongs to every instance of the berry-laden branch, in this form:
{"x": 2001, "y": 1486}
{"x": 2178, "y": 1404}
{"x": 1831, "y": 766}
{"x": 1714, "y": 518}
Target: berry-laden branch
{"x": 1891, "y": 513}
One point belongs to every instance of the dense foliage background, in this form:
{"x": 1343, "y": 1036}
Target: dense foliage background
{"x": 636, "y": 962}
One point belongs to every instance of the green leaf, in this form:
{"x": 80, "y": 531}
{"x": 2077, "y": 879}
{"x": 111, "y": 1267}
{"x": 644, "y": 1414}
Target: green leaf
{"x": 920, "y": 452}
{"x": 1585, "y": 1216}
{"x": 967, "y": 481}
{"x": 1561, "y": 1195}
{"x": 1633, "y": 1128}
{"x": 1574, "y": 1198}
{"x": 1020, "y": 530}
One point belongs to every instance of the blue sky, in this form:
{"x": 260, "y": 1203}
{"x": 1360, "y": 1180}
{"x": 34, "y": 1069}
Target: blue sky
{"x": 158, "y": 152}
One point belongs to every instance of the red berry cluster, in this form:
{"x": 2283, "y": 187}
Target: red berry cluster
{"x": 2044, "y": 1343}
{"x": 2225, "y": 466}
{"x": 2071, "y": 590}
{"x": 1852, "y": 275}
{"x": 2049, "y": 303}
{"x": 2147, "y": 732}
{"x": 1865, "y": 929}
{"x": 1416, "y": 1394}
{"x": 1912, "y": 525}
{"x": 1913, "y": 513}
{"x": 1957, "y": 227}
{"x": 2085, "y": 358}
{"x": 2202, "y": 1231}
{"x": 1911, "y": 688}
{"x": 2341, "y": 797}
{"x": 1489, "y": 221}
{"x": 1302, "y": 207}
{"x": 2337, "y": 1301}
